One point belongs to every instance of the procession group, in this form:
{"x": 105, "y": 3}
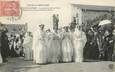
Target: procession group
{"x": 70, "y": 43}
{"x": 66, "y": 44}
{"x": 62, "y": 45}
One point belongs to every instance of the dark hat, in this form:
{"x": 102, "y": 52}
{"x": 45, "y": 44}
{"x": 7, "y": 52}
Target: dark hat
{"x": 41, "y": 25}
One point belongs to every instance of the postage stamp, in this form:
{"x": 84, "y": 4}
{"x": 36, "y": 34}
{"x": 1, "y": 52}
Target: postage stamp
{"x": 9, "y": 8}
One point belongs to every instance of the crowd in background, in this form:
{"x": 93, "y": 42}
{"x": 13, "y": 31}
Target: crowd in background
{"x": 11, "y": 45}
{"x": 100, "y": 39}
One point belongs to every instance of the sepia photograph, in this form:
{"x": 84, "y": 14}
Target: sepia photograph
{"x": 57, "y": 35}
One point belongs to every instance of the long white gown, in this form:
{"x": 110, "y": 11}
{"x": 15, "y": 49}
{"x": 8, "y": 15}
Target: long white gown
{"x": 48, "y": 38}
{"x": 35, "y": 35}
{"x": 67, "y": 47}
{"x": 79, "y": 43}
{"x": 28, "y": 48}
{"x": 39, "y": 47}
{"x": 54, "y": 48}
{"x": 0, "y": 58}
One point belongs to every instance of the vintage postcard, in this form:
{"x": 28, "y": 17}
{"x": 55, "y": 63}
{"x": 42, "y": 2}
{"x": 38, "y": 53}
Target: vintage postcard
{"x": 57, "y": 35}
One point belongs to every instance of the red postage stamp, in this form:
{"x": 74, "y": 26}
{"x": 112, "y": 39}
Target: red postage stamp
{"x": 9, "y": 8}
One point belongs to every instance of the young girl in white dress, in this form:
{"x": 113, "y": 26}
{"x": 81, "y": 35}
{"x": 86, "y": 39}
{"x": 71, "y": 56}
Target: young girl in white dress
{"x": 67, "y": 46}
{"x": 79, "y": 43}
{"x": 28, "y": 46}
{"x": 39, "y": 46}
{"x": 0, "y": 59}
{"x": 54, "y": 48}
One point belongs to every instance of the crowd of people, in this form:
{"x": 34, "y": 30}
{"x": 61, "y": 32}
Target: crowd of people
{"x": 66, "y": 44}
{"x": 10, "y": 44}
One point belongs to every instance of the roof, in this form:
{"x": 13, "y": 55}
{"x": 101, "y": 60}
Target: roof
{"x": 95, "y": 2}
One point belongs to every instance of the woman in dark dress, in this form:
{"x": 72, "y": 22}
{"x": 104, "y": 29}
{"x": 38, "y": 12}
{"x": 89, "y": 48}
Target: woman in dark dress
{"x": 91, "y": 49}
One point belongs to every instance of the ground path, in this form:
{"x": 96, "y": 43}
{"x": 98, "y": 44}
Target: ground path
{"x": 19, "y": 65}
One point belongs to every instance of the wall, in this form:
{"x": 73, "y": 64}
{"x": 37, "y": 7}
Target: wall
{"x": 34, "y": 17}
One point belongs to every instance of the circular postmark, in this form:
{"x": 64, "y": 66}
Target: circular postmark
{"x": 15, "y": 18}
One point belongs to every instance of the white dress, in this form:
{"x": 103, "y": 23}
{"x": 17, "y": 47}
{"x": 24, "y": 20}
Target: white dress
{"x": 48, "y": 38}
{"x": 35, "y": 35}
{"x": 0, "y": 58}
{"x": 79, "y": 43}
{"x": 54, "y": 48}
{"x": 67, "y": 47}
{"x": 39, "y": 47}
{"x": 28, "y": 48}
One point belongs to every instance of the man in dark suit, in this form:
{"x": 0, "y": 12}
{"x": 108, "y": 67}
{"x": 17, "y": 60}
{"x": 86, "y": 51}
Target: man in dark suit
{"x": 4, "y": 48}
